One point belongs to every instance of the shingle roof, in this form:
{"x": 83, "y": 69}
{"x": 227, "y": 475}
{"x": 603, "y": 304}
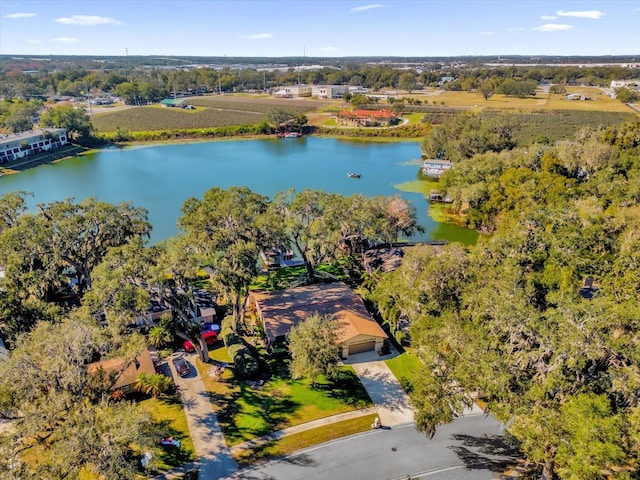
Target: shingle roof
{"x": 364, "y": 114}
{"x": 128, "y": 376}
{"x": 283, "y": 309}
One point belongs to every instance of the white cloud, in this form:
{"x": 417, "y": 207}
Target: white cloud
{"x": 593, "y": 14}
{"x": 364, "y": 8}
{"x": 20, "y": 15}
{"x": 553, "y": 27}
{"x": 64, "y": 40}
{"x": 328, "y": 48}
{"x": 548, "y": 17}
{"x": 487, "y": 34}
{"x": 259, "y": 36}
{"x": 33, "y": 41}
{"x": 87, "y": 20}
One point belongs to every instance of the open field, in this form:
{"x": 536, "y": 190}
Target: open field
{"x": 600, "y": 102}
{"x": 157, "y": 118}
{"x": 546, "y": 117}
{"x": 211, "y": 111}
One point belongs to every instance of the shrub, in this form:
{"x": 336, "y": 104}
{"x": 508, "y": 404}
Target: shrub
{"x": 245, "y": 363}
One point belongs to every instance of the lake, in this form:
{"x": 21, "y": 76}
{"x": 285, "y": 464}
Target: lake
{"x": 161, "y": 177}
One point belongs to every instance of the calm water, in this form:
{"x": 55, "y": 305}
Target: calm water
{"x": 160, "y": 178}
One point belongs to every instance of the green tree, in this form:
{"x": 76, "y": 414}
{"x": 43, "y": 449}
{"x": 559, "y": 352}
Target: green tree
{"x": 159, "y": 336}
{"x": 486, "y": 89}
{"x": 228, "y": 229}
{"x": 20, "y": 116}
{"x": 49, "y": 252}
{"x": 313, "y": 347}
{"x": 128, "y": 91}
{"x": 408, "y": 82}
{"x": 626, "y": 95}
{"x": 155, "y": 384}
{"x": 74, "y": 120}
{"x": 62, "y": 422}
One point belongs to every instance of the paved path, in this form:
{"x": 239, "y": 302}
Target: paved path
{"x": 215, "y": 459}
{"x": 390, "y": 399}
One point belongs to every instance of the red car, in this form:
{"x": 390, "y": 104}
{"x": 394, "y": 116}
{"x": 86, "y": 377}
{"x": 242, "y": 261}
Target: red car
{"x": 209, "y": 337}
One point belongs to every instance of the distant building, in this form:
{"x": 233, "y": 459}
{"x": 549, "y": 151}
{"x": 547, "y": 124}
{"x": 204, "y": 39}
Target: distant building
{"x": 291, "y": 91}
{"x": 175, "y": 102}
{"x": 633, "y": 84}
{"x": 577, "y": 96}
{"x": 434, "y": 167}
{"x": 329, "y": 91}
{"x": 19, "y": 145}
{"x": 366, "y": 118}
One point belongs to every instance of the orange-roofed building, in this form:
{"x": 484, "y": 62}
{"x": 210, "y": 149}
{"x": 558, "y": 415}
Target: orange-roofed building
{"x": 281, "y": 310}
{"x": 367, "y": 118}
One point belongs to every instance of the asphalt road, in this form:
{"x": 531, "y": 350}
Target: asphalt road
{"x": 470, "y": 448}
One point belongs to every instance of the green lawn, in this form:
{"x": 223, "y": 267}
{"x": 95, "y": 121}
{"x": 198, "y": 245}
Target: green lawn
{"x": 284, "y": 277}
{"x": 245, "y": 413}
{"x": 219, "y": 352}
{"x": 298, "y": 441}
{"x": 168, "y": 413}
{"x": 404, "y": 367}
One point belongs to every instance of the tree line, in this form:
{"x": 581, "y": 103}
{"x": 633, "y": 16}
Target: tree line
{"x": 538, "y": 321}
{"x": 137, "y": 84}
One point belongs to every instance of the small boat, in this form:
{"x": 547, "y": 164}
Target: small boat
{"x": 290, "y": 135}
{"x": 353, "y": 175}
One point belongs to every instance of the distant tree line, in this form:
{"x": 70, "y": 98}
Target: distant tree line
{"x": 137, "y": 84}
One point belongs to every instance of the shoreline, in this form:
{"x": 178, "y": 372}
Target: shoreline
{"x": 51, "y": 158}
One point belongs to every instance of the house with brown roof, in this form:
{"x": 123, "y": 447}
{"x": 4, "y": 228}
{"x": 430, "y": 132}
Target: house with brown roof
{"x": 281, "y": 310}
{"x": 124, "y": 376}
{"x": 366, "y": 118}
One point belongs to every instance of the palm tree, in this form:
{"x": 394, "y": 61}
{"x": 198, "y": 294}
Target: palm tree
{"x": 154, "y": 384}
{"x": 159, "y": 336}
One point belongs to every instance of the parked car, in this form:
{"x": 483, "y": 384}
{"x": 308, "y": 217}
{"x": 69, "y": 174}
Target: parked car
{"x": 209, "y": 337}
{"x": 181, "y": 366}
{"x": 205, "y": 327}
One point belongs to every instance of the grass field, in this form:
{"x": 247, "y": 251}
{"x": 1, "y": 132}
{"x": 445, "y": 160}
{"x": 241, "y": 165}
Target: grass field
{"x": 298, "y": 441}
{"x": 542, "y": 101}
{"x": 245, "y": 413}
{"x": 210, "y": 111}
{"x": 168, "y": 412}
{"x": 549, "y": 117}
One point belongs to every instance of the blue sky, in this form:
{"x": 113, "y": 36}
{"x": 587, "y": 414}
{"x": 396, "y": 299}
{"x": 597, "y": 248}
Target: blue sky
{"x": 325, "y": 28}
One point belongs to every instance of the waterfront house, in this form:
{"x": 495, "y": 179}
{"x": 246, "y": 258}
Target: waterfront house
{"x": 434, "y": 167}
{"x": 20, "y": 145}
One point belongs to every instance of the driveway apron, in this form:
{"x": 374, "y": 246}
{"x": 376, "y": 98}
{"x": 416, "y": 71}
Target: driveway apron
{"x": 209, "y": 443}
{"x": 390, "y": 399}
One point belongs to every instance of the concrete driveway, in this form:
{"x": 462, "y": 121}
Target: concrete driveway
{"x": 215, "y": 460}
{"x": 389, "y": 398}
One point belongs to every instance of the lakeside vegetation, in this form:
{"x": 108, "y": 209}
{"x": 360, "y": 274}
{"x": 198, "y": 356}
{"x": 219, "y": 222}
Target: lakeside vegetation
{"x": 538, "y": 319}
